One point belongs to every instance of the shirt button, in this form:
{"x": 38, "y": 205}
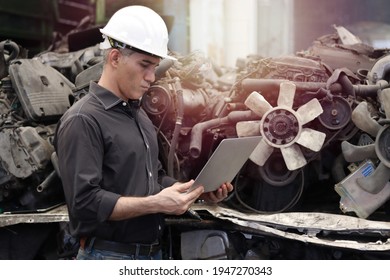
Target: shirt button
{"x": 124, "y": 104}
{"x": 150, "y": 174}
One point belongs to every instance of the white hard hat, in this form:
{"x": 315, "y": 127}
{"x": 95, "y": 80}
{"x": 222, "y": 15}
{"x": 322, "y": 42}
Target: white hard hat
{"x": 139, "y": 28}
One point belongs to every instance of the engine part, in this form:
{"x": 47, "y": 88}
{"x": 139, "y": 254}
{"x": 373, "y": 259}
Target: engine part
{"x": 163, "y": 67}
{"x": 42, "y": 91}
{"x": 330, "y": 51}
{"x": 361, "y": 117}
{"x": 337, "y": 113}
{"x": 47, "y": 182}
{"x": 199, "y": 128}
{"x": 24, "y": 151}
{"x": 205, "y": 245}
{"x": 265, "y": 193}
{"x": 380, "y": 70}
{"x": 271, "y": 85}
{"x": 39, "y": 149}
{"x": 308, "y": 75}
{"x": 92, "y": 73}
{"x": 275, "y": 172}
{"x": 293, "y": 68}
{"x": 282, "y": 127}
{"x": 16, "y": 160}
{"x": 346, "y": 37}
{"x": 382, "y": 145}
{"x": 355, "y": 199}
{"x": 9, "y": 50}
{"x": 160, "y": 101}
{"x": 157, "y": 100}
{"x": 73, "y": 63}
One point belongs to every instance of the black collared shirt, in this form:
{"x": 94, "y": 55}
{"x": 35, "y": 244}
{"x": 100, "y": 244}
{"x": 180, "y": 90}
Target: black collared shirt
{"x": 108, "y": 148}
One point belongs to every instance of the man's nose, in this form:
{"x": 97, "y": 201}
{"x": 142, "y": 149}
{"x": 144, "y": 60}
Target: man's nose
{"x": 150, "y": 76}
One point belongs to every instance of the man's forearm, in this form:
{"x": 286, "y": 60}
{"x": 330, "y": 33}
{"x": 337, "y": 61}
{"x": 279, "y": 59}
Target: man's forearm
{"x": 131, "y": 207}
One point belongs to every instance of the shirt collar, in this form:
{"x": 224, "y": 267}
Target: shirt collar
{"x": 104, "y": 96}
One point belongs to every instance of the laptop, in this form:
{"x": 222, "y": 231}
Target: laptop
{"x": 225, "y": 162}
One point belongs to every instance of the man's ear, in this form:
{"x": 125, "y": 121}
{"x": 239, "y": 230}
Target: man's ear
{"x": 114, "y": 57}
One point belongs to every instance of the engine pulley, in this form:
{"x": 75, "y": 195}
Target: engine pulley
{"x": 156, "y": 100}
{"x": 337, "y": 113}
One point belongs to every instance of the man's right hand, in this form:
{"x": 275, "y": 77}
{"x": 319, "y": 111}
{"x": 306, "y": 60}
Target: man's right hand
{"x": 176, "y": 199}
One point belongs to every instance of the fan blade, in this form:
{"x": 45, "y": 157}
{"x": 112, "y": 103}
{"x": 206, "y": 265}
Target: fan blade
{"x": 311, "y": 139}
{"x": 293, "y": 157}
{"x": 261, "y": 153}
{"x": 361, "y": 118}
{"x": 257, "y": 103}
{"x": 309, "y": 111}
{"x": 375, "y": 182}
{"x": 385, "y": 101}
{"x": 353, "y": 153}
{"x": 286, "y": 94}
{"x": 382, "y": 145}
{"x": 248, "y": 128}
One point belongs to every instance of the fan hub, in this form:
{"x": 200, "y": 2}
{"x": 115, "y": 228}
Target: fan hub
{"x": 280, "y": 127}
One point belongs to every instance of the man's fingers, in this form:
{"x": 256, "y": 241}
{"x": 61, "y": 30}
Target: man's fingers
{"x": 229, "y": 187}
{"x": 183, "y": 187}
{"x": 191, "y": 195}
{"x": 213, "y": 197}
{"x": 195, "y": 193}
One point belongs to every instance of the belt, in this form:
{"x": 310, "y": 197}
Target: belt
{"x": 121, "y": 247}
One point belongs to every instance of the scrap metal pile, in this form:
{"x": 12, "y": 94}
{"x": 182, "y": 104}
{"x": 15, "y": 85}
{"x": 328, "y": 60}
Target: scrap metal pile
{"x": 323, "y": 125}
{"x": 323, "y": 115}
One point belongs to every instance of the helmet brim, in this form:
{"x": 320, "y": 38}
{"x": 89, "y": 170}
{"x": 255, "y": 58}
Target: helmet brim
{"x": 107, "y": 45}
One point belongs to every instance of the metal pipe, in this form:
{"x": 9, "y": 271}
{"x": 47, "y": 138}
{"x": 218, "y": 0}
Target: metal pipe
{"x": 12, "y": 47}
{"x": 200, "y": 128}
{"x": 274, "y": 84}
{"x": 162, "y": 68}
{"x": 47, "y": 182}
{"x": 379, "y": 70}
{"x": 345, "y": 85}
{"x": 178, "y": 125}
{"x": 370, "y": 90}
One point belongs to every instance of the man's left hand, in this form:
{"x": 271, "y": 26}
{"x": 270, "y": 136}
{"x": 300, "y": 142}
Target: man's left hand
{"x": 219, "y": 194}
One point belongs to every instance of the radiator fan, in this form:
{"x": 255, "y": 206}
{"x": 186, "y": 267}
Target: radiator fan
{"x": 282, "y": 127}
{"x": 375, "y": 182}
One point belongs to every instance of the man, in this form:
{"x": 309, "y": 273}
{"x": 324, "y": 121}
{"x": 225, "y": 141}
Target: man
{"x": 115, "y": 188}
